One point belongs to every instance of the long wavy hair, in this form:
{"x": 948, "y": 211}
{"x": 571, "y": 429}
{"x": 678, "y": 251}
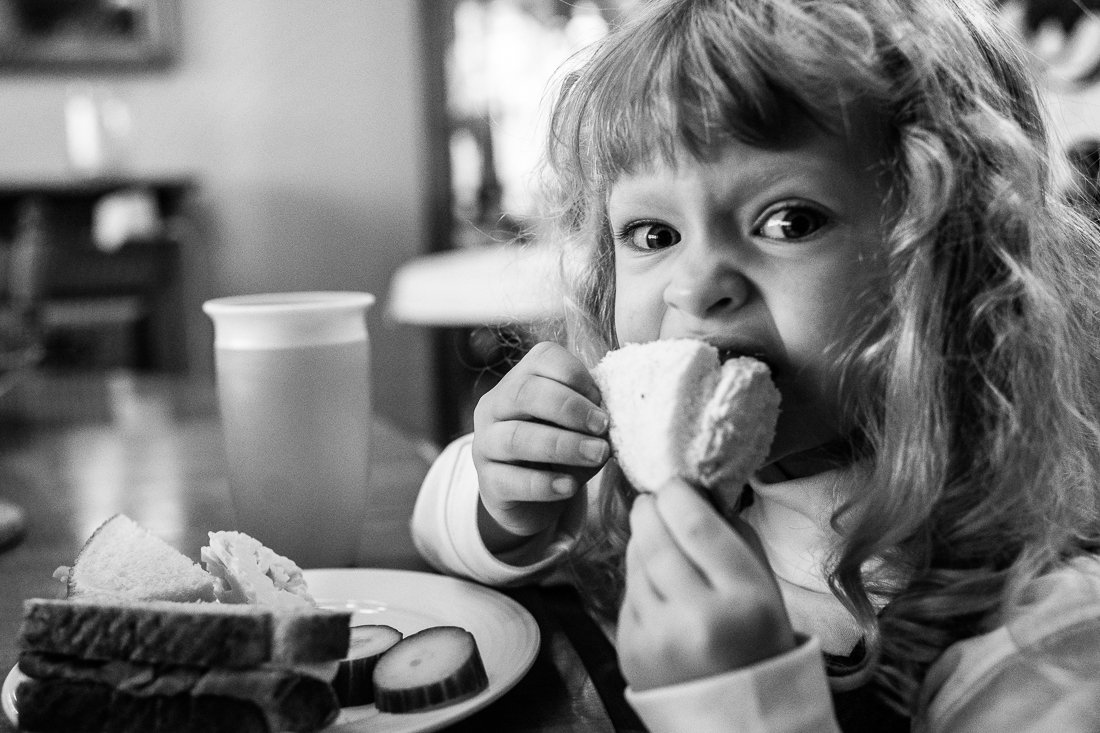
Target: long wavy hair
{"x": 974, "y": 384}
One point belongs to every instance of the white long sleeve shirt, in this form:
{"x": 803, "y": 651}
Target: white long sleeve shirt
{"x": 1038, "y": 672}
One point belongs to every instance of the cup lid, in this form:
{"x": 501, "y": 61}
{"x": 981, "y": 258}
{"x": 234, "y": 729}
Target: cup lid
{"x": 285, "y": 320}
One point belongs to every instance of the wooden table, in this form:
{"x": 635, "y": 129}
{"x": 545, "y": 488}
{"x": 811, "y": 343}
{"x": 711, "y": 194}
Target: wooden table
{"x": 75, "y": 449}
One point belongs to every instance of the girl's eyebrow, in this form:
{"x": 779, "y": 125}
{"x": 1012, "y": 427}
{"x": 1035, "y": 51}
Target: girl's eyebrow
{"x": 733, "y": 182}
{"x": 647, "y": 191}
{"x": 788, "y": 173}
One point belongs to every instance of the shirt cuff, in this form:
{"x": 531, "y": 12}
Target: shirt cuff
{"x": 785, "y": 694}
{"x": 445, "y": 526}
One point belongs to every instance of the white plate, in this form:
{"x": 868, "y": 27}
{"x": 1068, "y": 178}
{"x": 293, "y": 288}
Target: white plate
{"x": 7, "y": 694}
{"x": 507, "y": 636}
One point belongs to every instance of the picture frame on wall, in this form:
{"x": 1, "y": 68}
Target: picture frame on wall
{"x": 87, "y": 34}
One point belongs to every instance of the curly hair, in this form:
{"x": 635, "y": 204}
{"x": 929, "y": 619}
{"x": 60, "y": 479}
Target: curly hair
{"x": 974, "y": 385}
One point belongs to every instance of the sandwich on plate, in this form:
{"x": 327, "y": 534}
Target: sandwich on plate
{"x": 147, "y": 640}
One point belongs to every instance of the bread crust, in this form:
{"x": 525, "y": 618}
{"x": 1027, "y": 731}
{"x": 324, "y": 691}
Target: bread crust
{"x": 735, "y": 430}
{"x": 198, "y": 634}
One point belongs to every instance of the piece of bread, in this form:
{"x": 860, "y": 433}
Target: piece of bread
{"x": 64, "y": 694}
{"x": 676, "y": 411}
{"x": 122, "y": 559}
{"x": 199, "y": 634}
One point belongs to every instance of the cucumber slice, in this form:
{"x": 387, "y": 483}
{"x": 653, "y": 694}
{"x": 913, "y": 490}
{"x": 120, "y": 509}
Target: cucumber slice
{"x": 429, "y": 669}
{"x": 353, "y": 677}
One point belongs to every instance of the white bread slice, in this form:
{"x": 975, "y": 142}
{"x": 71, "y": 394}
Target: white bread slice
{"x": 194, "y": 634}
{"x": 676, "y": 411}
{"x": 246, "y": 571}
{"x": 122, "y": 559}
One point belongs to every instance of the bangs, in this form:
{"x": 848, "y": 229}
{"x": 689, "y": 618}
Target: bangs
{"x": 710, "y": 72}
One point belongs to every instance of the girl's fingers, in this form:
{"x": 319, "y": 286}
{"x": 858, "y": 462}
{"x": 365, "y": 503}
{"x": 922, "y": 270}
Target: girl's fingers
{"x": 513, "y": 484}
{"x": 655, "y": 559}
{"x": 555, "y": 362}
{"x": 536, "y": 397}
{"x": 549, "y": 385}
{"x": 639, "y": 588}
{"x": 712, "y": 545}
{"x": 748, "y": 534}
{"x": 518, "y": 441}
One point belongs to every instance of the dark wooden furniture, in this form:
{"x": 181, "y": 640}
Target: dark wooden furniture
{"x": 79, "y": 296}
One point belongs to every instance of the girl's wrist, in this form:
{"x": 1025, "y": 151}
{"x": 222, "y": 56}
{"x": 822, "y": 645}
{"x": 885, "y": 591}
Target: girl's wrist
{"x": 496, "y": 538}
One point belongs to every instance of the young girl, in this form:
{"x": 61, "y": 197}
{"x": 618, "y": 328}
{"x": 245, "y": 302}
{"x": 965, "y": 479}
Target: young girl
{"x": 859, "y": 193}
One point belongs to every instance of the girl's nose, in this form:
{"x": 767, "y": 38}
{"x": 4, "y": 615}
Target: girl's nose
{"x": 705, "y": 285}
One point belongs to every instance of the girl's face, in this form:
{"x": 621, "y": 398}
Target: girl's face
{"x": 759, "y": 252}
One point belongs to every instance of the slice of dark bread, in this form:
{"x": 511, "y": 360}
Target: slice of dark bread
{"x": 70, "y": 695}
{"x": 198, "y": 634}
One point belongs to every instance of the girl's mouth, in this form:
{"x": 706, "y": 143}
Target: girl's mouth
{"x": 727, "y": 353}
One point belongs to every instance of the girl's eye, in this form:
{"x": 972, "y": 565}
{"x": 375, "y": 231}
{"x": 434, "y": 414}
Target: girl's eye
{"x": 792, "y": 222}
{"x": 650, "y": 236}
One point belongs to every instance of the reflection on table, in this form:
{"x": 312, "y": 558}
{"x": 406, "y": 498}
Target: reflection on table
{"x": 75, "y": 449}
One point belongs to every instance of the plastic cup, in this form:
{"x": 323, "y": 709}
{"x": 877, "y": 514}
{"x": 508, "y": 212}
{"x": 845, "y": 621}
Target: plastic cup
{"x": 293, "y": 382}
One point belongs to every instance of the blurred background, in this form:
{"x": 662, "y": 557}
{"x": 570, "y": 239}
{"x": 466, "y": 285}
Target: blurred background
{"x": 156, "y": 153}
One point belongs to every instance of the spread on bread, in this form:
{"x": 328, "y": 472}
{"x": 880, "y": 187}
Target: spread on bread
{"x": 245, "y": 571}
{"x": 677, "y": 410}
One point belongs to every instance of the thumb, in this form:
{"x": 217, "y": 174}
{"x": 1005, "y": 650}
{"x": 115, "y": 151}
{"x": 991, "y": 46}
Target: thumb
{"x": 747, "y": 533}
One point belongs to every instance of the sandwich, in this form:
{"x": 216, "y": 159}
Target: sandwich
{"x": 147, "y": 640}
{"x": 677, "y": 410}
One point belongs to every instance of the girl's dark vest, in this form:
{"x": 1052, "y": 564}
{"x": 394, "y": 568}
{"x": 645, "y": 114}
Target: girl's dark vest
{"x": 863, "y": 710}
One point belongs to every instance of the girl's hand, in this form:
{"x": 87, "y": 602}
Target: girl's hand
{"x": 539, "y": 435}
{"x": 700, "y": 599}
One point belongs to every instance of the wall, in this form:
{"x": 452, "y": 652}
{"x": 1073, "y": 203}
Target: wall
{"x": 304, "y": 124}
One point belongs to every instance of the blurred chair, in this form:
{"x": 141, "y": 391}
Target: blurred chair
{"x": 488, "y": 285}
{"x": 481, "y": 304}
